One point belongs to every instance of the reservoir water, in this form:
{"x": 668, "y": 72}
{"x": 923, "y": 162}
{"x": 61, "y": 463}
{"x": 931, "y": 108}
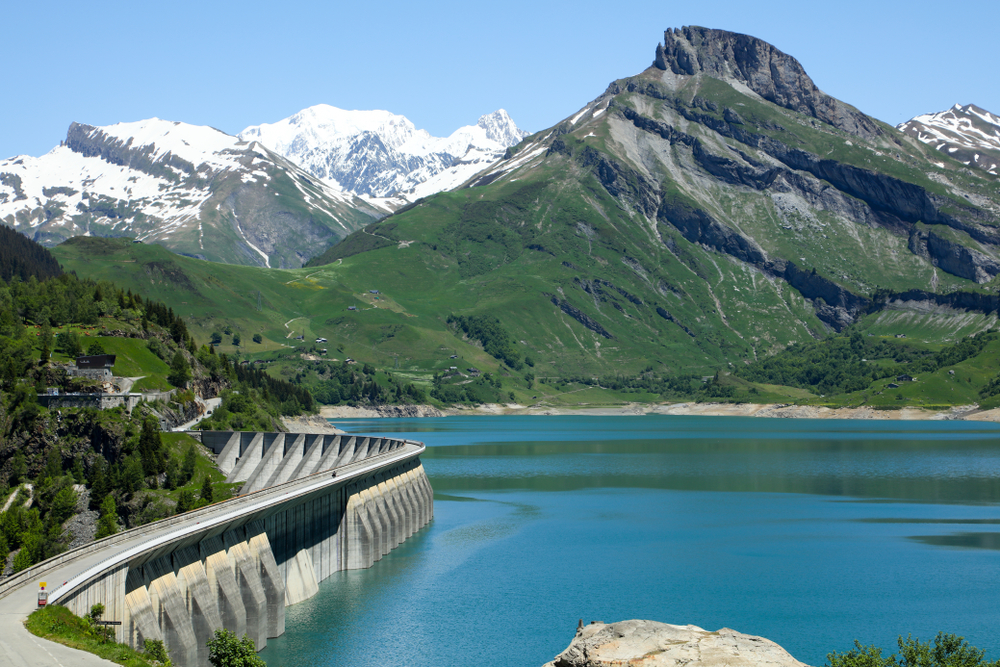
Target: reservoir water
{"x": 811, "y": 533}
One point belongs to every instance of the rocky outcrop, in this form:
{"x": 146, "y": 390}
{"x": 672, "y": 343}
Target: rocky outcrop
{"x": 697, "y": 226}
{"x": 90, "y": 141}
{"x": 407, "y": 411}
{"x": 836, "y": 306}
{"x": 377, "y": 411}
{"x": 918, "y": 300}
{"x": 662, "y": 312}
{"x": 661, "y": 645}
{"x": 621, "y": 182}
{"x": 772, "y": 74}
{"x": 959, "y": 260}
{"x": 885, "y": 200}
{"x": 581, "y": 317}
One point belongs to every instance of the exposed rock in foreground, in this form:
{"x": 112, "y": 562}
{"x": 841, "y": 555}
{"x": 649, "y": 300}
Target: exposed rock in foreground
{"x": 654, "y": 644}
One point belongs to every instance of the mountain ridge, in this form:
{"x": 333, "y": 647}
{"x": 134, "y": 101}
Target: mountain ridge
{"x": 382, "y": 154}
{"x": 736, "y": 224}
{"x": 774, "y": 75}
{"x": 966, "y": 133}
{"x": 180, "y": 185}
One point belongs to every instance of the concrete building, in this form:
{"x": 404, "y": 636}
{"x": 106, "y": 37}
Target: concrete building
{"x": 96, "y": 367}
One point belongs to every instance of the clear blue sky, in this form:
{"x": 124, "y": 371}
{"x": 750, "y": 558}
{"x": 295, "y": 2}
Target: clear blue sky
{"x": 443, "y": 64}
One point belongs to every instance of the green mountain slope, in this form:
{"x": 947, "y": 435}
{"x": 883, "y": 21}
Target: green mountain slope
{"x": 311, "y": 303}
{"x": 710, "y": 210}
{"x": 703, "y": 214}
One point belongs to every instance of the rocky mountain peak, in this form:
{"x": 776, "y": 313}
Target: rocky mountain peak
{"x": 500, "y": 127}
{"x": 966, "y": 133}
{"x": 381, "y": 154}
{"x": 193, "y": 189}
{"x": 774, "y": 75}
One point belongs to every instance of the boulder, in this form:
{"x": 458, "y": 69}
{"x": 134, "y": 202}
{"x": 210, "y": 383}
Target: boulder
{"x": 654, "y": 644}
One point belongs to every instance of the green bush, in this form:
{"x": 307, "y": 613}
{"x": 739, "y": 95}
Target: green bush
{"x": 155, "y": 649}
{"x": 225, "y": 650}
{"x": 947, "y": 651}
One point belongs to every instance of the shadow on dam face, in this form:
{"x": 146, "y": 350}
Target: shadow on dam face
{"x": 311, "y": 505}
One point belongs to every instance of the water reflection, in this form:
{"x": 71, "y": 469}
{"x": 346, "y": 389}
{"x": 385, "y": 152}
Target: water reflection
{"x": 962, "y": 540}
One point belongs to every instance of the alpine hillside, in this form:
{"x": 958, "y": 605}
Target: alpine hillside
{"x": 382, "y": 154}
{"x": 966, "y": 133}
{"x": 194, "y": 190}
{"x": 710, "y": 210}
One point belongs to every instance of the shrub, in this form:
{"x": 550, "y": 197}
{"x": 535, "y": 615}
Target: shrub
{"x": 225, "y": 650}
{"x": 155, "y": 649}
{"x": 948, "y": 651}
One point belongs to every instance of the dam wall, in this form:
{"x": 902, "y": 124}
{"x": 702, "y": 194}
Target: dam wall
{"x": 311, "y": 506}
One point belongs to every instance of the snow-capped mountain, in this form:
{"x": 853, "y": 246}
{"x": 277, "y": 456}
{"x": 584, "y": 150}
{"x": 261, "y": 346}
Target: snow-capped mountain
{"x": 967, "y": 133}
{"x": 193, "y": 189}
{"x": 382, "y": 154}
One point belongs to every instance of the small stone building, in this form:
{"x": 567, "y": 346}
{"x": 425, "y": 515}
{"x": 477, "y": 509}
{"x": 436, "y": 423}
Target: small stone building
{"x": 96, "y": 367}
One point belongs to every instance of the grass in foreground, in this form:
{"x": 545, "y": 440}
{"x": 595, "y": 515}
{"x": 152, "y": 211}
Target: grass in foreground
{"x": 59, "y": 624}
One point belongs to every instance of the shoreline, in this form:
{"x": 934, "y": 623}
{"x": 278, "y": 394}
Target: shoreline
{"x": 767, "y": 410}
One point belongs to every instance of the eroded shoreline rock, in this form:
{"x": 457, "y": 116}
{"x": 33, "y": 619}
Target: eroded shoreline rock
{"x": 653, "y": 644}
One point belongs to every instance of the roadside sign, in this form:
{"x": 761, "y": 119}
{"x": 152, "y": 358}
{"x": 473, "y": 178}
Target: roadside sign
{"x": 43, "y": 598}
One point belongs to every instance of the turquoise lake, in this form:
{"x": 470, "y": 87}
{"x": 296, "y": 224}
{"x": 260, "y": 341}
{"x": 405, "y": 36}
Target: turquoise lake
{"x": 812, "y": 533}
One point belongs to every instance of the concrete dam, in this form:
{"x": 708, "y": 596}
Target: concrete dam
{"x": 311, "y": 505}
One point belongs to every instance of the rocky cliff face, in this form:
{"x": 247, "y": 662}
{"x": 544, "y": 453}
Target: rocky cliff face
{"x": 661, "y": 645}
{"x": 772, "y": 74}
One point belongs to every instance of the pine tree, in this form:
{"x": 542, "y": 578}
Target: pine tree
{"x": 63, "y": 505}
{"x": 53, "y": 464}
{"x": 100, "y": 486}
{"x": 190, "y": 459}
{"x": 46, "y": 343}
{"x": 180, "y": 372}
{"x": 173, "y": 474}
{"x": 185, "y": 501}
{"x": 154, "y": 460}
{"x": 131, "y": 476}
{"x": 206, "y": 490}
{"x": 18, "y": 468}
{"x": 108, "y": 523}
